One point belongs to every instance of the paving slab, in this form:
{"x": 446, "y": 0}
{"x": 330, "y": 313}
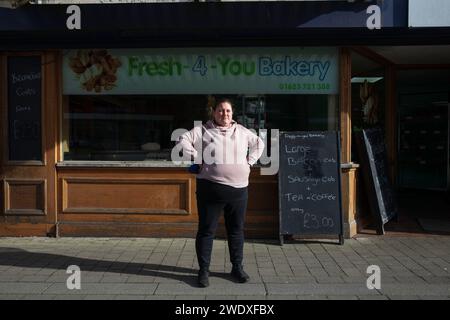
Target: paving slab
{"x": 103, "y": 288}
{"x": 23, "y": 288}
{"x": 228, "y": 289}
{"x": 415, "y": 289}
{"x": 319, "y": 289}
{"x": 149, "y": 268}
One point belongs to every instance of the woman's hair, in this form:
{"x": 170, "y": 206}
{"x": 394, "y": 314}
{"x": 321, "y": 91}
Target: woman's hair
{"x": 223, "y": 100}
{"x": 213, "y": 102}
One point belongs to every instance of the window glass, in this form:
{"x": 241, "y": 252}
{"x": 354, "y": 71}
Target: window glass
{"x": 137, "y": 128}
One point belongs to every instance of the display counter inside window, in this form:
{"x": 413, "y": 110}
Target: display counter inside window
{"x": 138, "y": 128}
{"x": 126, "y": 128}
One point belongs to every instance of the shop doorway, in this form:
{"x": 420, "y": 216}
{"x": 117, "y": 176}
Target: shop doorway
{"x": 409, "y": 88}
{"x": 423, "y": 147}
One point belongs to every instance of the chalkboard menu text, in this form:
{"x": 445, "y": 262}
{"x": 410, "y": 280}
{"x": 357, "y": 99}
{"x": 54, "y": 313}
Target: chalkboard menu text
{"x": 309, "y": 184}
{"x": 24, "y": 108}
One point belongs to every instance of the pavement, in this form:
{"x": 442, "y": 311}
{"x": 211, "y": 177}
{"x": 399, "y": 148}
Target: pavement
{"x": 148, "y": 268}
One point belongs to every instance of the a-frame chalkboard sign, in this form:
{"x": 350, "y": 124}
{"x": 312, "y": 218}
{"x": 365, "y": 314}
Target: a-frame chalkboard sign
{"x": 309, "y": 184}
{"x": 371, "y": 148}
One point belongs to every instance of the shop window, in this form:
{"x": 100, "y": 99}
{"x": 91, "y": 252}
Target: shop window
{"x": 138, "y": 128}
{"x": 368, "y": 93}
{"x": 423, "y": 129}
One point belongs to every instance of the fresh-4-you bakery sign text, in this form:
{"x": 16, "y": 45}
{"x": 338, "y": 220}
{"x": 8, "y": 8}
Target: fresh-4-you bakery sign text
{"x": 202, "y": 70}
{"x": 264, "y": 66}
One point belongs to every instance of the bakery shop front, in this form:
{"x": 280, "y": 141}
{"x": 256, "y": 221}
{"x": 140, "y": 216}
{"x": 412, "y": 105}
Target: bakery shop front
{"x": 119, "y": 108}
{"x": 89, "y": 115}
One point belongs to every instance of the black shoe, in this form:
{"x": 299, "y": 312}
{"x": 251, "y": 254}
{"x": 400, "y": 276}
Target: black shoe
{"x": 239, "y": 274}
{"x": 203, "y": 278}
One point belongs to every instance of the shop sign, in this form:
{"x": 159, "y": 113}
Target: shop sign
{"x": 202, "y": 71}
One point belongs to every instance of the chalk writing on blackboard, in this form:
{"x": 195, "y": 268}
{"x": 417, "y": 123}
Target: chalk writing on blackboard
{"x": 309, "y": 184}
{"x": 24, "y": 108}
{"x": 26, "y": 130}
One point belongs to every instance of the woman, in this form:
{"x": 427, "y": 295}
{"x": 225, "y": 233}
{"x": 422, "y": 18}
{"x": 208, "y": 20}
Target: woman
{"x": 228, "y": 151}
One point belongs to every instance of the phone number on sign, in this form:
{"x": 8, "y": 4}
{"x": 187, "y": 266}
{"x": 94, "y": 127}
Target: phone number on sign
{"x": 304, "y": 86}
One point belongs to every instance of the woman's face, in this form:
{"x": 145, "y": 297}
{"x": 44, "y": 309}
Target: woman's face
{"x": 223, "y": 114}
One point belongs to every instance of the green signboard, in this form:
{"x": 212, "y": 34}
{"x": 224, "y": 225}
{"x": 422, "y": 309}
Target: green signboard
{"x": 284, "y": 70}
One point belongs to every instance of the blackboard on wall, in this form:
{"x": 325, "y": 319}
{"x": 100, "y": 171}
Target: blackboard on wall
{"x": 309, "y": 184}
{"x": 24, "y": 108}
{"x": 372, "y": 154}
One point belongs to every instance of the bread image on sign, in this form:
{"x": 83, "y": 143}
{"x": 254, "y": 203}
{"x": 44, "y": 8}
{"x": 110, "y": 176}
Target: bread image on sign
{"x": 95, "y": 69}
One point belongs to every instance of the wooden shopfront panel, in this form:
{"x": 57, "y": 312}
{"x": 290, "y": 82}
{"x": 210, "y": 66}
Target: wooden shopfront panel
{"x": 149, "y": 202}
{"x": 29, "y": 103}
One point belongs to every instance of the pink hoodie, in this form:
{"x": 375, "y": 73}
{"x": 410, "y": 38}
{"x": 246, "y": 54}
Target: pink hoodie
{"x": 227, "y": 153}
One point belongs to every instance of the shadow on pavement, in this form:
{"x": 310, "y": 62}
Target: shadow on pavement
{"x": 23, "y": 258}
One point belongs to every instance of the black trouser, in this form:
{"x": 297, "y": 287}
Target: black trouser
{"x": 212, "y": 198}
